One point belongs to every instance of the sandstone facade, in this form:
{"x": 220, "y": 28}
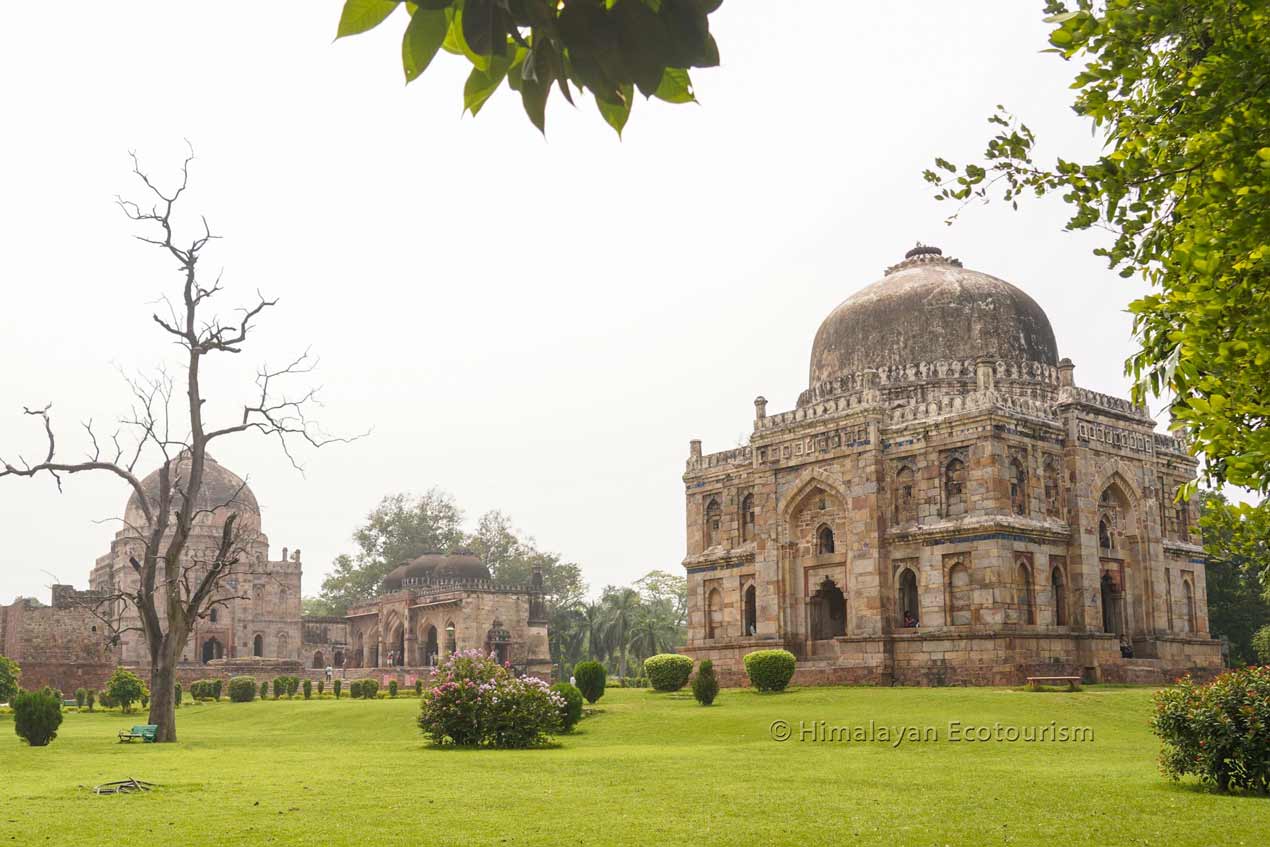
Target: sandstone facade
{"x": 945, "y": 505}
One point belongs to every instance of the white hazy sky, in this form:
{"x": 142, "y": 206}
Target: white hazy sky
{"x": 538, "y": 326}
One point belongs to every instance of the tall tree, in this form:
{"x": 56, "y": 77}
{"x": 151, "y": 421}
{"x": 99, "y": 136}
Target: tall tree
{"x": 621, "y": 611}
{"x": 176, "y": 585}
{"x": 1179, "y": 91}
{"x": 512, "y": 557}
{"x": 401, "y": 527}
{"x": 607, "y": 47}
{"x": 1237, "y": 541}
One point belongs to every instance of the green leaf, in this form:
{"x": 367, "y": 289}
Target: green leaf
{"x": 482, "y": 83}
{"x": 362, "y": 15}
{"x": 675, "y": 87}
{"x": 422, "y": 40}
{"x": 616, "y": 114}
{"x": 455, "y": 35}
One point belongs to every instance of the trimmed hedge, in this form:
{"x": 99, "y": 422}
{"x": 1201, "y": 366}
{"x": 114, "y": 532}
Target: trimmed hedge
{"x": 705, "y": 685}
{"x": 338, "y": 687}
{"x": 370, "y": 688}
{"x": 770, "y": 670}
{"x": 242, "y": 689}
{"x": 571, "y": 711}
{"x": 36, "y": 716}
{"x": 264, "y": 690}
{"x": 392, "y": 688}
{"x": 668, "y": 671}
{"x": 590, "y": 678}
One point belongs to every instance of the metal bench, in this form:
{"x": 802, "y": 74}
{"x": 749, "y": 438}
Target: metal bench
{"x": 1072, "y": 682}
{"x": 148, "y": 733}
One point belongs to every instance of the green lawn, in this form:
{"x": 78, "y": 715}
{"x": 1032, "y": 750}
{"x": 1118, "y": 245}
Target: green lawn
{"x": 645, "y": 768}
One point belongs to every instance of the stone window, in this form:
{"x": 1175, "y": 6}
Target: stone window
{"x": 714, "y": 519}
{"x": 954, "y": 487}
{"x": 905, "y": 503}
{"x": 824, "y": 541}
{"x": 1058, "y": 587}
{"x": 827, "y": 611}
{"x": 258, "y": 646}
{"x": 1183, "y": 521}
{"x": 1026, "y": 595}
{"x": 909, "y": 610}
{"x": 959, "y": 595}
{"x": 213, "y": 615}
{"x": 451, "y": 639}
{"x": 282, "y": 645}
{"x": 714, "y": 613}
{"x": 751, "y": 611}
{"x": 1105, "y": 536}
{"x": 747, "y": 518}
{"x": 1018, "y": 487}
{"x": 1053, "y": 491}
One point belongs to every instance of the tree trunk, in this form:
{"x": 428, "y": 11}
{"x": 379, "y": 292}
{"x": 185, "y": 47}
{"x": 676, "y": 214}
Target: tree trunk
{"x": 163, "y": 699}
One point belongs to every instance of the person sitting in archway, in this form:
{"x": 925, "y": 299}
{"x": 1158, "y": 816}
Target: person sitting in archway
{"x": 1126, "y": 649}
{"x": 909, "y": 620}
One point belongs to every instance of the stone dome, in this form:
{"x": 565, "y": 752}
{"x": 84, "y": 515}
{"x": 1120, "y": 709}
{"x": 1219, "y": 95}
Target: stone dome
{"x": 222, "y": 493}
{"x": 458, "y": 565}
{"x": 929, "y": 308}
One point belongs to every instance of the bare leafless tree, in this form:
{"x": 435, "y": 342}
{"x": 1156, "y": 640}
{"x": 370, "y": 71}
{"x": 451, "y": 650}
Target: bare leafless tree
{"x": 178, "y": 585}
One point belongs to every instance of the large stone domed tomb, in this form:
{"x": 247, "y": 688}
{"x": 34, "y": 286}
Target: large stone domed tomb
{"x": 944, "y": 505}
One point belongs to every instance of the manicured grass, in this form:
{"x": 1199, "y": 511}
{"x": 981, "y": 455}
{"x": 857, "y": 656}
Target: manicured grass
{"x": 646, "y": 769}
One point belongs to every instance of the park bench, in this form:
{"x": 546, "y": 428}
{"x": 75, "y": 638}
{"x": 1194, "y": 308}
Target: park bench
{"x": 146, "y": 732}
{"x": 1072, "y": 682}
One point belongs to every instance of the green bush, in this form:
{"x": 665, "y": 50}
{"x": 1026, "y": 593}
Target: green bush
{"x": 10, "y": 675}
{"x": 216, "y": 689}
{"x": 392, "y": 688}
{"x": 145, "y": 699}
{"x": 370, "y": 689}
{"x": 1260, "y": 644}
{"x": 418, "y": 687}
{"x": 705, "y": 685}
{"x": 770, "y": 670}
{"x": 36, "y": 716}
{"x": 571, "y": 710}
{"x": 106, "y": 701}
{"x": 279, "y": 687}
{"x": 337, "y": 689}
{"x": 1220, "y": 732}
{"x": 355, "y": 689}
{"x": 177, "y": 694}
{"x": 126, "y": 688}
{"x": 321, "y": 686}
{"x": 293, "y": 685}
{"x": 80, "y": 696}
{"x": 91, "y": 698}
{"x": 590, "y": 678}
{"x": 242, "y": 689}
{"x": 308, "y": 689}
{"x": 668, "y": 671}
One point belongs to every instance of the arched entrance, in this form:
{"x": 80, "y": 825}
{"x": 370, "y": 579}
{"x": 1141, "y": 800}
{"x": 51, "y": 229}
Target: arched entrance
{"x": 212, "y": 649}
{"x": 258, "y": 646}
{"x": 397, "y": 645}
{"x": 906, "y": 599}
{"x": 1111, "y": 596}
{"x": 751, "y": 612}
{"x": 498, "y": 642}
{"x": 339, "y": 658}
{"x": 319, "y": 661}
{"x": 430, "y": 646}
{"x": 827, "y": 612}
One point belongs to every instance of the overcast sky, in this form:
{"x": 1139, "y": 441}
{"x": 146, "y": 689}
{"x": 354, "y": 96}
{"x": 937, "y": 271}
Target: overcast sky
{"x": 537, "y": 326}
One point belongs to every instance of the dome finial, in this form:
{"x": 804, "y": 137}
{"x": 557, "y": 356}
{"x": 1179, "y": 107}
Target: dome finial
{"x": 923, "y": 250}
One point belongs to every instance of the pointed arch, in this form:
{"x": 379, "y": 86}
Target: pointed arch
{"x": 824, "y": 540}
{"x": 1058, "y": 587}
{"x": 714, "y": 613}
{"x": 1016, "y": 475}
{"x": 959, "y": 595}
{"x": 712, "y": 523}
{"x": 1025, "y": 593}
{"x": 807, "y": 484}
{"x": 750, "y": 616}
{"x": 747, "y": 518}
{"x": 905, "y": 502}
{"x": 1188, "y": 598}
{"x": 907, "y": 602}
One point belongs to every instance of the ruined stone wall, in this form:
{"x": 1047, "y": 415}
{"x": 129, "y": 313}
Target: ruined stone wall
{"x": 66, "y": 648}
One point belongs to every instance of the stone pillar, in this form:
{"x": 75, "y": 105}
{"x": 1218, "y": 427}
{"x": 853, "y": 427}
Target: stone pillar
{"x": 1066, "y": 375}
{"x": 694, "y": 448}
{"x": 984, "y": 373}
{"x": 760, "y": 407}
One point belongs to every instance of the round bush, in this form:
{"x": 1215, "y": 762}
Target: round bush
{"x": 590, "y": 678}
{"x": 308, "y": 689}
{"x": 1261, "y": 644}
{"x": 474, "y": 701}
{"x": 242, "y": 689}
{"x": 571, "y": 711}
{"x": 668, "y": 671}
{"x": 36, "y": 716}
{"x": 770, "y": 670}
{"x": 1218, "y": 731}
{"x": 370, "y": 689}
{"x": 355, "y": 689}
{"x": 705, "y": 685}
{"x": 392, "y": 688}
{"x": 126, "y": 688}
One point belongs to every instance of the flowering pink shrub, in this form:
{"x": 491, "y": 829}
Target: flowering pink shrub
{"x": 473, "y": 701}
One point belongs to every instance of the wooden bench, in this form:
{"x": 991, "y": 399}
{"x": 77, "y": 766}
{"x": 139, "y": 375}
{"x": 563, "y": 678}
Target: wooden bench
{"x": 1035, "y": 682}
{"x": 146, "y": 732}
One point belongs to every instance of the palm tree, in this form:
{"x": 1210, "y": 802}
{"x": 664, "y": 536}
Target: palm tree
{"x": 567, "y": 634}
{"x": 655, "y": 631}
{"x": 592, "y": 622}
{"x": 622, "y": 607}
